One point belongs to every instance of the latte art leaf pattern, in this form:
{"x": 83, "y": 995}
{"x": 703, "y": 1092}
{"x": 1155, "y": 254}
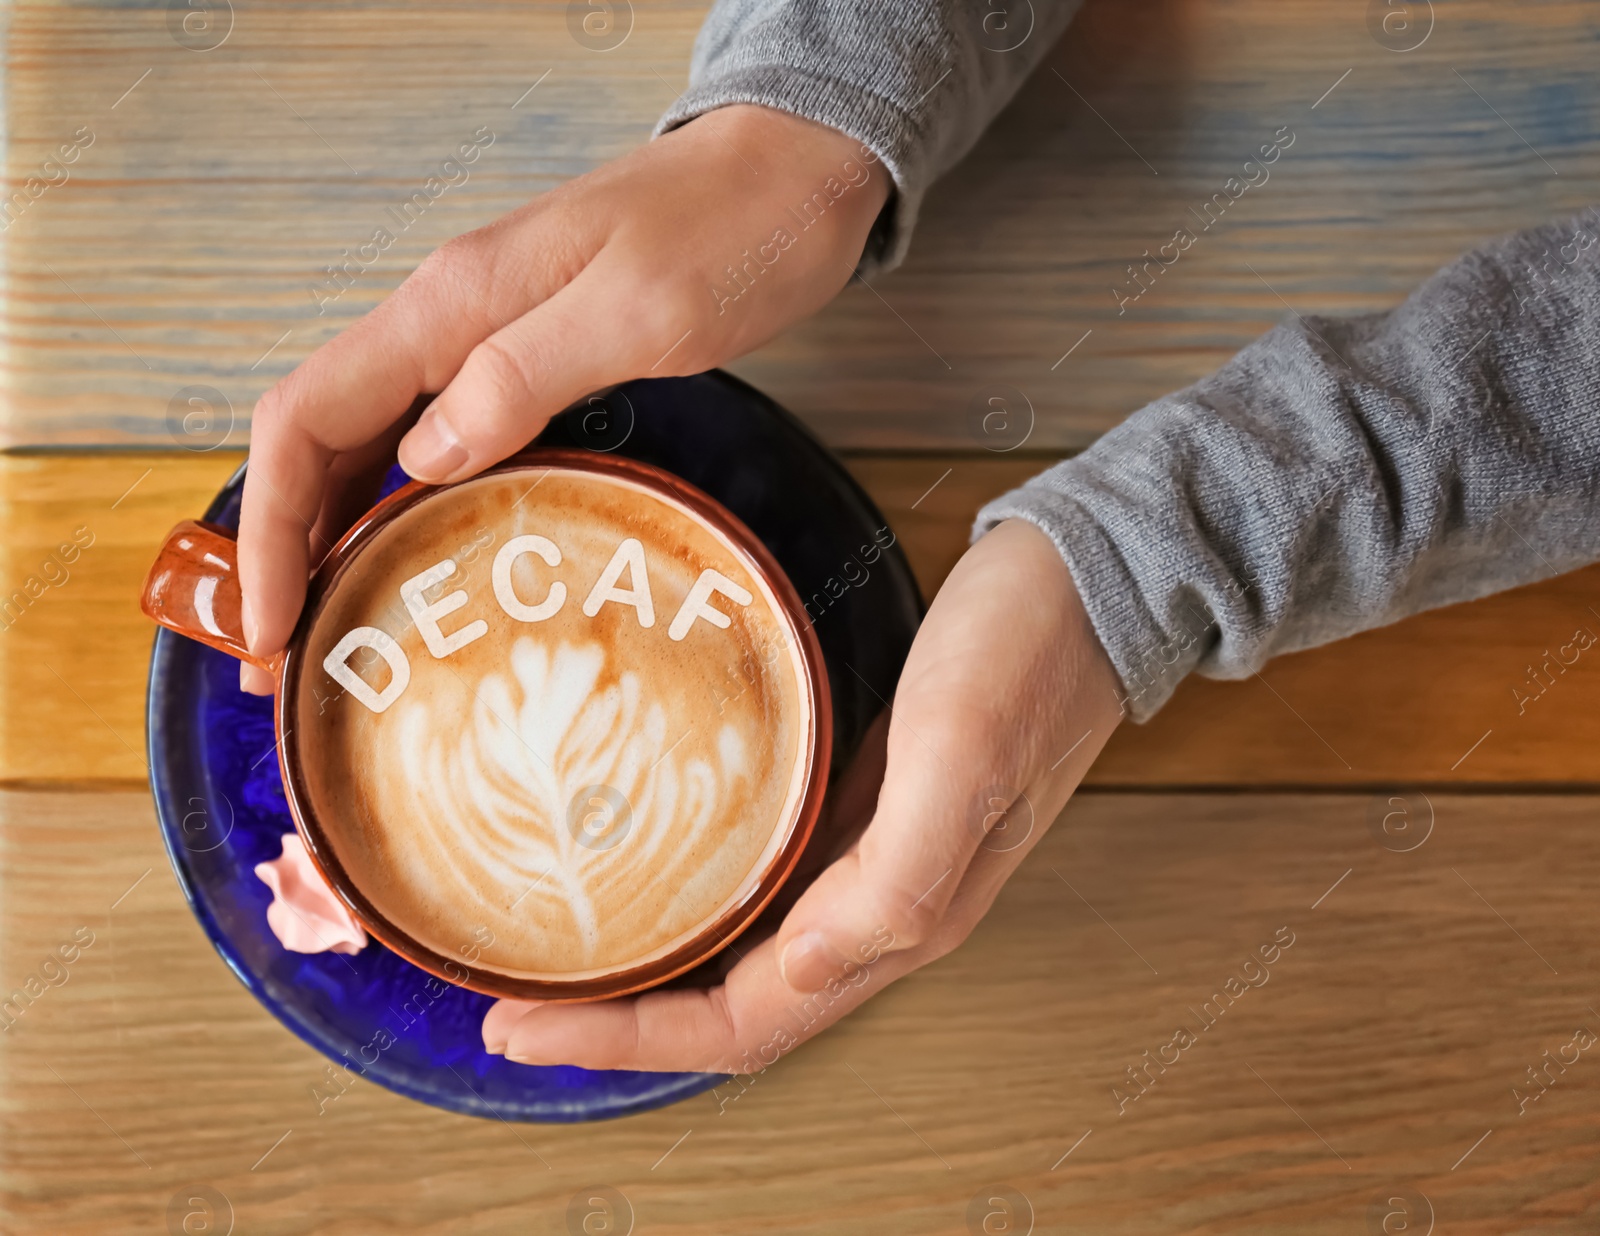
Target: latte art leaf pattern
{"x": 512, "y": 800}
{"x": 587, "y": 789}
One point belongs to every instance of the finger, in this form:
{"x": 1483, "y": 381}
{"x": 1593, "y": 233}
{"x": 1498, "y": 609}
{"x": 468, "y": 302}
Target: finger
{"x": 764, "y": 1011}
{"x": 354, "y": 481}
{"x": 499, "y": 1020}
{"x": 274, "y": 531}
{"x": 254, "y": 680}
{"x": 997, "y": 859}
{"x": 600, "y": 329}
{"x": 747, "y": 1024}
{"x": 756, "y": 1017}
{"x": 352, "y": 389}
{"x": 968, "y": 733}
{"x": 851, "y": 803}
{"x": 740, "y": 1027}
{"x": 891, "y": 890}
{"x": 845, "y": 814}
{"x": 350, "y": 488}
{"x": 678, "y": 1031}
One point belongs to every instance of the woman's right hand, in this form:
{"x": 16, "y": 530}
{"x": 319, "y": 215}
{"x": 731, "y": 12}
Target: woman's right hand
{"x": 682, "y": 255}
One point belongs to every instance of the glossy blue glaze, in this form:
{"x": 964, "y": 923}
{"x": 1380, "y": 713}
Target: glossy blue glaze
{"x": 219, "y": 796}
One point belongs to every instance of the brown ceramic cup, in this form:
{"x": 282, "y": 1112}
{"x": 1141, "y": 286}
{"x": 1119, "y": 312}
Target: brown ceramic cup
{"x": 424, "y": 815}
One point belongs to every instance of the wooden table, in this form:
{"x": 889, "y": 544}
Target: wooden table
{"x": 1374, "y": 1075}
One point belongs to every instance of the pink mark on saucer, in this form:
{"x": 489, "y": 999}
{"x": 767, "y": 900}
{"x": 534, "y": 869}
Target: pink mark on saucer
{"x": 305, "y": 914}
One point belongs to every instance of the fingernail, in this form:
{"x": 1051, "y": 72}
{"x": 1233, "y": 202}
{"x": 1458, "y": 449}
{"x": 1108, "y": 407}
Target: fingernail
{"x": 501, "y": 1020}
{"x": 431, "y": 451}
{"x": 247, "y": 620}
{"x": 496, "y": 1043}
{"x": 809, "y": 962}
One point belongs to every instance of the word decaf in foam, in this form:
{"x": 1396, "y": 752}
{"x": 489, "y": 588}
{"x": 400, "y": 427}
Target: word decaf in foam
{"x": 629, "y": 556}
{"x": 584, "y": 728}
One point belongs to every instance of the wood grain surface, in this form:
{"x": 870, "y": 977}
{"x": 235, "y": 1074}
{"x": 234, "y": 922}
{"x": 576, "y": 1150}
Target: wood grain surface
{"x": 1363, "y": 1067}
{"x": 1430, "y": 701}
{"x": 221, "y": 184}
{"x": 1371, "y": 1082}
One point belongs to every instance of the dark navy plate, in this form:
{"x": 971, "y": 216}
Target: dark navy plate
{"x": 214, "y": 766}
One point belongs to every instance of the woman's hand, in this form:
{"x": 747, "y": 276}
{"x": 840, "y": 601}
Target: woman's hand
{"x": 1006, "y": 698}
{"x": 682, "y": 255}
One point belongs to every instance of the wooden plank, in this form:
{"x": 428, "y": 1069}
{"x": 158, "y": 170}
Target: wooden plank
{"x": 217, "y": 192}
{"x": 75, "y": 659}
{"x": 1427, "y": 701}
{"x": 1433, "y": 699}
{"x": 1361, "y": 1069}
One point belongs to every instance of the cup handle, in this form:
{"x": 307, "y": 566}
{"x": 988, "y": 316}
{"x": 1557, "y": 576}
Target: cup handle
{"x": 193, "y": 589}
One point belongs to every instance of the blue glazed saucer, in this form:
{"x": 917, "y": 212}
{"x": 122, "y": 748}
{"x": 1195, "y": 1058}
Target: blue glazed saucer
{"x": 219, "y": 797}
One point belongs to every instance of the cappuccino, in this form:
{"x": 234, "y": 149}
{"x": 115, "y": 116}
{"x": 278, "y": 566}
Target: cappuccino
{"x": 560, "y": 705}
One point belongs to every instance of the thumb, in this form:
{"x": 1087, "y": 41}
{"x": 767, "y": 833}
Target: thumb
{"x": 891, "y": 891}
{"x": 1005, "y": 664}
{"x": 513, "y": 382}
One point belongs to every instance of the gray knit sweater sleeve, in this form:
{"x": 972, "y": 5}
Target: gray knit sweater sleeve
{"x": 1339, "y": 474}
{"x": 916, "y": 81}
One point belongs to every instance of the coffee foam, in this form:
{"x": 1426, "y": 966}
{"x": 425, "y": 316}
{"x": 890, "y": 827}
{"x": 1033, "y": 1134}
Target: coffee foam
{"x": 586, "y": 790}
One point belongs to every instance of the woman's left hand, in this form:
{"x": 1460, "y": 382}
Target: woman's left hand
{"x": 1005, "y": 700}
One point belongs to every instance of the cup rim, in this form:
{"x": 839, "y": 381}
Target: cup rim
{"x": 716, "y": 934}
